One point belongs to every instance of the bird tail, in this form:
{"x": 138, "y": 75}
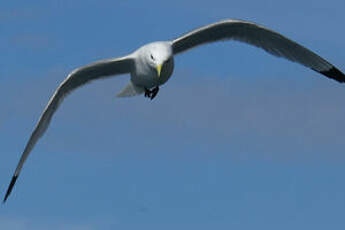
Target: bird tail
{"x": 131, "y": 90}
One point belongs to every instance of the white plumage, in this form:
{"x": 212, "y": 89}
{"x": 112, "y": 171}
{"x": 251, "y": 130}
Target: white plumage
{"x": 152, "y": 65}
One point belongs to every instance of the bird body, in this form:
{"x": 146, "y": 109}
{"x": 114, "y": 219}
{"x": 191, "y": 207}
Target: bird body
{"x": 152, "y": 65}
{"x": 146, "y": 60}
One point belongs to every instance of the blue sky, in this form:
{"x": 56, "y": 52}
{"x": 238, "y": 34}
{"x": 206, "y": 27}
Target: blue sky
{"x": 236, "y": 138}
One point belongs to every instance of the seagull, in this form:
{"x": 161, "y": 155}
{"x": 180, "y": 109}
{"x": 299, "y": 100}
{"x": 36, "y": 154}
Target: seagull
{"x": 152, "y": 65}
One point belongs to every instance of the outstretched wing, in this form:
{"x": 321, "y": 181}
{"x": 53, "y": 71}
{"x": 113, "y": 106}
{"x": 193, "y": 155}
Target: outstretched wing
{"x": 259, "y": 36}
{"x": 75, "y": 79}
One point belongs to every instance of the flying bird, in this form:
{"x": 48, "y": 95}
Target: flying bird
{"x": 152, "y": 65}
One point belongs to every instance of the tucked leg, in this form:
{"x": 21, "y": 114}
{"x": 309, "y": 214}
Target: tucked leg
{"x": 148, "y": 93}
{"x": 151, "y": 93}
{"x": 154, "y": 92}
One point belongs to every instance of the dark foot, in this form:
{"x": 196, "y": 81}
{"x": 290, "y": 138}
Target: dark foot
{"x": 147, "y": 92}
{"x": 154, "y": 92}
{"x": 151, "y": 93}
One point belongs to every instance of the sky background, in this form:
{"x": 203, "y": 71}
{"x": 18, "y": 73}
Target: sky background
{"x": 237, "y": 139}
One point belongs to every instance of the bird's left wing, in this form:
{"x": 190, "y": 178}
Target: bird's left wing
{"x": 259, "y": 36}
{"x": 75, "y": 79}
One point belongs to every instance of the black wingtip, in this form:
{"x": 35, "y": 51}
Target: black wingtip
{"x": 335, "y": 74}
{"x": 9, "y": 190}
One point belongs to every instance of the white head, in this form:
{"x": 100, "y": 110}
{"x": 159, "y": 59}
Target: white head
{"x": 157, "y": 55}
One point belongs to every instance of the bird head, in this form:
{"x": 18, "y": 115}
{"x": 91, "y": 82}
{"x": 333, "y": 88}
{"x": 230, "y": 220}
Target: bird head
{"x": 159, "y": 53}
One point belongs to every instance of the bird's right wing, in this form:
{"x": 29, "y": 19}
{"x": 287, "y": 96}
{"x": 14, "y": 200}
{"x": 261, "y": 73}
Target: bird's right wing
{"x": 259, "y": 36}
{"x": 75, "y": 79}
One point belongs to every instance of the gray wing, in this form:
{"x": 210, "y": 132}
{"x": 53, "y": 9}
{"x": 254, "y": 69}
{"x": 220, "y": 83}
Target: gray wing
{"x": 75, "y": 79}
{"x": 259, "y": 36}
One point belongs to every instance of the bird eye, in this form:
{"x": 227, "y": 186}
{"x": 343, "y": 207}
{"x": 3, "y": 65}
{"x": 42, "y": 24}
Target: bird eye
{"x": 152, "y": 57}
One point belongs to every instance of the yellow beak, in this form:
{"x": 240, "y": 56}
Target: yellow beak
{"x": 159, "y": 69}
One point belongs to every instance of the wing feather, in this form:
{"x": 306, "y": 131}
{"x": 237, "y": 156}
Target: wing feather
{"x": 259, "y": 36}
{"x": 75, "y": 79}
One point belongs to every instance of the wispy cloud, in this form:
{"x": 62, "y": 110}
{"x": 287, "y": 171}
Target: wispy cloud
{"x": 8, "y": 15}
{"x": 32, "y": 41}
{"x": 17, "y": 223}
